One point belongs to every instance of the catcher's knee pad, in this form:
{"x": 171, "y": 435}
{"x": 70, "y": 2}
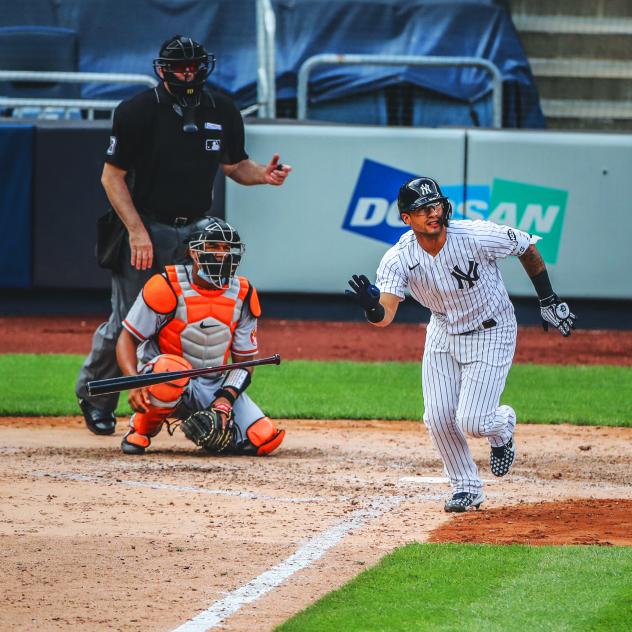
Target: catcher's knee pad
{"x": 167, "y": 395}
{"x": 264, "y": 436}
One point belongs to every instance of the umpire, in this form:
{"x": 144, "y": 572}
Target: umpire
{"x": 166, "y": 146}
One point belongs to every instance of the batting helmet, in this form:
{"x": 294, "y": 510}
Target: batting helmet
{"x": 420, "y": 192}
{"x": 184, "y": 56}
{"x": 215, "y": 265}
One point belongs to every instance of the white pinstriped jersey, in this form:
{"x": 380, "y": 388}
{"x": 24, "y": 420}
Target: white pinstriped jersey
{"x": 461, "y": 285}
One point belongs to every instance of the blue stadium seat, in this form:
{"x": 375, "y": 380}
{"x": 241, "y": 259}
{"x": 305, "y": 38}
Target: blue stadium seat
{"x": 39, "y": 48}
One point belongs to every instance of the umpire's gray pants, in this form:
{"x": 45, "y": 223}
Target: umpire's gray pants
{"x": 169, "y": 248}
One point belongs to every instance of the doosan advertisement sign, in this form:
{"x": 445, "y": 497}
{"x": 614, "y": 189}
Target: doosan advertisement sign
{"x": 373, "y": 213}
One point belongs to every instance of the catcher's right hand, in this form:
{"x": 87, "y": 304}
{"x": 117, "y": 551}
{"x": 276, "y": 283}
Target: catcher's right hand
{"x": 364, "y": 292}
{"x": 557, "y": 313}
{"x": 206, "y": 429}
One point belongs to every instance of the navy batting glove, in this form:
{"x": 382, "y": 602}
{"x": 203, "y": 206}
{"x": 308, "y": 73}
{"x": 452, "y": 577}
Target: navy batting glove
{"x": 364, "y": 292}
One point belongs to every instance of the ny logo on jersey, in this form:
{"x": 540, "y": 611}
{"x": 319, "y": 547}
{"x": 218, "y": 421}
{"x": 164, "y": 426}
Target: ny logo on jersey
{"x": 470, "y": 276}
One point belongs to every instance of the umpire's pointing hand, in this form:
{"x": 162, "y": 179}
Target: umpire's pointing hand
{"x": 276, "y": 172}
{"x": 364, "y": 292}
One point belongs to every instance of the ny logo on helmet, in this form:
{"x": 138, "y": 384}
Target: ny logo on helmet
{"x": 425, "y": 189}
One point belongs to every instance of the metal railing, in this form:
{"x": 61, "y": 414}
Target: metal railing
{"x": 266, "y": 77}
{"x": 90, "y": 105}
{"x": 399, "y": 60}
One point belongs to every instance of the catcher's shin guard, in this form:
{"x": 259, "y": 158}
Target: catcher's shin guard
{"x": 264, "y": 436}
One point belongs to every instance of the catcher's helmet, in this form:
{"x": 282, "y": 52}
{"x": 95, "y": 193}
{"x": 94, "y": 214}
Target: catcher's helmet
{"x": 419, "y": 192}
{"x": 182, "y": 55}
{"x": 215, "y": 265}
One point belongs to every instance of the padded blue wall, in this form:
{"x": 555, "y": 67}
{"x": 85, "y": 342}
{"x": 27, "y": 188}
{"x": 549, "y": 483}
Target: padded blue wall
{"x": 16, "y": 166}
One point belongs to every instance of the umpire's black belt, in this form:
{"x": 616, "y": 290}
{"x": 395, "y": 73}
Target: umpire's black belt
{"x": 176, "y": 222}
{"x": 486, "y": 324}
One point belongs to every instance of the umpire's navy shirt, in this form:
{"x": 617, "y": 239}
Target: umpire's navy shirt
{"x": 171, "y": 172}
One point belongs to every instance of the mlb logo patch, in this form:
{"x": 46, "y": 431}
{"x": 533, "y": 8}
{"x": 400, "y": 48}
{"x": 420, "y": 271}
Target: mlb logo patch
{"x": 212, "y": 144}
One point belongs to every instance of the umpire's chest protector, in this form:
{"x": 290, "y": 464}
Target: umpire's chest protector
{"x": 204, "y": 322}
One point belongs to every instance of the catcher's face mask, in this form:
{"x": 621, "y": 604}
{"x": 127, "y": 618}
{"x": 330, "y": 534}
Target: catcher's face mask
{"x": 217, "y": 251}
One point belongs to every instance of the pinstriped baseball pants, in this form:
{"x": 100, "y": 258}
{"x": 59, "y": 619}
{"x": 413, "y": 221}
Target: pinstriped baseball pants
{"x": 463, "y": 377}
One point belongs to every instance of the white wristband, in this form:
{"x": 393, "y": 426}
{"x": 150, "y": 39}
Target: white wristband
{"x": 239, "y": 379}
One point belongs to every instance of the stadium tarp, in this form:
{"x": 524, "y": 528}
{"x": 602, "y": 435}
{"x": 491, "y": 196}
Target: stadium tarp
{"x": 118, "y": 36}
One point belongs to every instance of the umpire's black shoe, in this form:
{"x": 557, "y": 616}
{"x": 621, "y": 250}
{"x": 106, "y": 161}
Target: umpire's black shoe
{"x": 99, "y": 421}
{"x": 463, "y": 501}
{"x": 501, "y": 459}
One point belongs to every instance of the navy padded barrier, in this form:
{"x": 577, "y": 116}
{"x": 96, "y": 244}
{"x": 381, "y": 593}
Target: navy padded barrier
{"x": 39, "y": 48}
{"x": 16, "y": 165}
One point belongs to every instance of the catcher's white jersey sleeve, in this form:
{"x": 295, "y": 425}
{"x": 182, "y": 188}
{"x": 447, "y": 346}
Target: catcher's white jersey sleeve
{"x": 142, "y": 321}
{"x": 245, "y": 336}
{"x": 461, "y": 285}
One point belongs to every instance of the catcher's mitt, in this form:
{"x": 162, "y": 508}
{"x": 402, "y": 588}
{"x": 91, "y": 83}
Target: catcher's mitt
{"x": 204, "y": 428}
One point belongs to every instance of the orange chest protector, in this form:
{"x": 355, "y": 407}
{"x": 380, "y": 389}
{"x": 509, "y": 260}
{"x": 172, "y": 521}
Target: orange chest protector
{"x": 204, "y": 321}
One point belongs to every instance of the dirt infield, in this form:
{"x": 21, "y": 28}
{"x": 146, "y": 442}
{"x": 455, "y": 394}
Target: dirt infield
{"x": 94, "y": 540}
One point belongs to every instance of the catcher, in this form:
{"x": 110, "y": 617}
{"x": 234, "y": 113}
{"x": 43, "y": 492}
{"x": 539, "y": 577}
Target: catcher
{"x": 194, "y": 316}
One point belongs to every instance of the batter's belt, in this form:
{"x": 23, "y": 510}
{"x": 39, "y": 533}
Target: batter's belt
{"x": 486, "y": 324}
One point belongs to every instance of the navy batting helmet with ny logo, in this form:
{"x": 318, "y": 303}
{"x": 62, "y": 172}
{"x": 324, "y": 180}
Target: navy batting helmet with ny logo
{"x": 419, "y": 192}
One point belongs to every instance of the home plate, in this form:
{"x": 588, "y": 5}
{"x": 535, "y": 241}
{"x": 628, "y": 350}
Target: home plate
{"x": 430, "y": 480}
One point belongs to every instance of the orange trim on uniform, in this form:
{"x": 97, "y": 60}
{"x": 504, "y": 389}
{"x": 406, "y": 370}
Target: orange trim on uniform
{"x": 255, "y": 306}
{"x": 159, "y": 295}
{"x": 251, "y": 352}
{"x": 133, "y": 331}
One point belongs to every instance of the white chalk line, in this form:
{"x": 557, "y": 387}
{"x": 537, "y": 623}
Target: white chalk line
{"x": 310, "y": 552}
{"x": 72, "y": 476}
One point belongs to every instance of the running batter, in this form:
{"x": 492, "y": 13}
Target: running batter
{"x": 471, "y": 337}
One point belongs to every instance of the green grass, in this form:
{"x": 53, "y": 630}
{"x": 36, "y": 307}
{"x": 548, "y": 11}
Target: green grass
{"x": 594, "y": 395}
{"x": 481, "y": 588}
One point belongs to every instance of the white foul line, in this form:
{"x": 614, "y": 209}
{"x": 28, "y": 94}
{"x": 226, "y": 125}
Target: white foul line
{"x": 311, "y": 551}
{"x": 183, "y": 488}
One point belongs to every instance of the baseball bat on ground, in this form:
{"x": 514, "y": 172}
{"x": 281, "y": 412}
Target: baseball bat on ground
{"x": 117, "y": 384}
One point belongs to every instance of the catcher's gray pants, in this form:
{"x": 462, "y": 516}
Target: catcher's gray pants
{"x": 169, "y": 248}
{"x": 463, "y": 377}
